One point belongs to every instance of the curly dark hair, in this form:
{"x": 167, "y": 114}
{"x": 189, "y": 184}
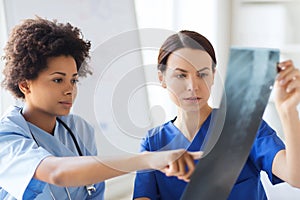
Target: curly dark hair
{"x": 32, "y": 42}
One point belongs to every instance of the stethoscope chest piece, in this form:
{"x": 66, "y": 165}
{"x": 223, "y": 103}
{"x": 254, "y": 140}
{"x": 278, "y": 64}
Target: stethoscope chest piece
{"x": 90, "y": 188}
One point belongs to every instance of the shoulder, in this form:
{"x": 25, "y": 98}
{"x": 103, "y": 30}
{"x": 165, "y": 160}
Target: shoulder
{"x": 158, "y": 130}
{"x": 12, "y": 121}
{"x": 264, "y": 129}
{"x": 159, "y": 136}
{"x": 267, "y": 137}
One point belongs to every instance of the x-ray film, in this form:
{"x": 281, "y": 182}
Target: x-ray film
{"x": 250, "y": 77}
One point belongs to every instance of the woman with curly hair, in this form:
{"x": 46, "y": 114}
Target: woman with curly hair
{"x": 45, "y": 152}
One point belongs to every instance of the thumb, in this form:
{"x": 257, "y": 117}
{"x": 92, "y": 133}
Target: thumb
{"x": 196, "y": 155}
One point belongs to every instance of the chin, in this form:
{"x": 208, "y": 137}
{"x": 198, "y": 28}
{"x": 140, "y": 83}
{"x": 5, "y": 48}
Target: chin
{"x": 192, "y": 109}
{"x": 63, "y": 113}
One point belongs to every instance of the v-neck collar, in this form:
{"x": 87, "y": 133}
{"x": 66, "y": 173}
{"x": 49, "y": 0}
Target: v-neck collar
{"x": 50, "y": 142}
{"x": 203, "y": 127}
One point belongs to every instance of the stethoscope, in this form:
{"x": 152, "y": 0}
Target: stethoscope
{"x": 90, "y": 188}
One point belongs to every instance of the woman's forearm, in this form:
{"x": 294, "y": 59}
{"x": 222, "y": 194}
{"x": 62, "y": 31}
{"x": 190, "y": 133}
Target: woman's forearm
{"x": 78, "y": 171}
{"x": 84, "y": 170}
{"x": 291, "y": 127}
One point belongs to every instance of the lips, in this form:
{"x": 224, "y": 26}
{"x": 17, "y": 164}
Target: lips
{"x": 192, "y": 98}
{"x": 66, "y": 103}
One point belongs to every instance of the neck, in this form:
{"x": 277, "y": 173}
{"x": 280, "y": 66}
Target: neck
{"x": 40, "y": 119}
{"x": 189, "y": 123}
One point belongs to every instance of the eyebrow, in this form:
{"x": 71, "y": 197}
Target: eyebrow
{"x": 182, "y": 70}
{"x": 63, "y": 74}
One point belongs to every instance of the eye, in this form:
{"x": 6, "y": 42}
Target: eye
{"x": 202, "y": 75}
{"x": 180, "y": 75}
{"x": 74, "y": 81}
{"x": 57, "y": 80}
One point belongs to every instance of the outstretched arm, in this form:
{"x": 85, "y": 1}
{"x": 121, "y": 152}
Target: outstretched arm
{"x": 84, "y": 170}
{"x": 286, "y": 164}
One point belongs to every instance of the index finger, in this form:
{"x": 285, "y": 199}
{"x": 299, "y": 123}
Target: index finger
{"x": 284, "y": 66}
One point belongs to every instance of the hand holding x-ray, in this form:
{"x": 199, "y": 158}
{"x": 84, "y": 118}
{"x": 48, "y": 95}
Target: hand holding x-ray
{"x": 287, "y": 86}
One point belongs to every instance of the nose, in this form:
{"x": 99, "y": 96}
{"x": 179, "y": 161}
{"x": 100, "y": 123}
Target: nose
{"x": 70, "y": 88}
{"x": 193, "y": 84}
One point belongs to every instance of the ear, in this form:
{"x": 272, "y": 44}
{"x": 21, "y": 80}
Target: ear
{"x": 24, "y": 87}
{"x": 161, "y": 78}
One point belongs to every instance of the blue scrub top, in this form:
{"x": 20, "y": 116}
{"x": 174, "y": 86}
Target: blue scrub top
{"x": 155, "y": 185}
{"x": 20, "y": 155}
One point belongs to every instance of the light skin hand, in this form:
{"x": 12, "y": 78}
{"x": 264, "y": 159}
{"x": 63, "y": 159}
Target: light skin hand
{"x": 184, "y": 166}
{"x": 287, "y": 86}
